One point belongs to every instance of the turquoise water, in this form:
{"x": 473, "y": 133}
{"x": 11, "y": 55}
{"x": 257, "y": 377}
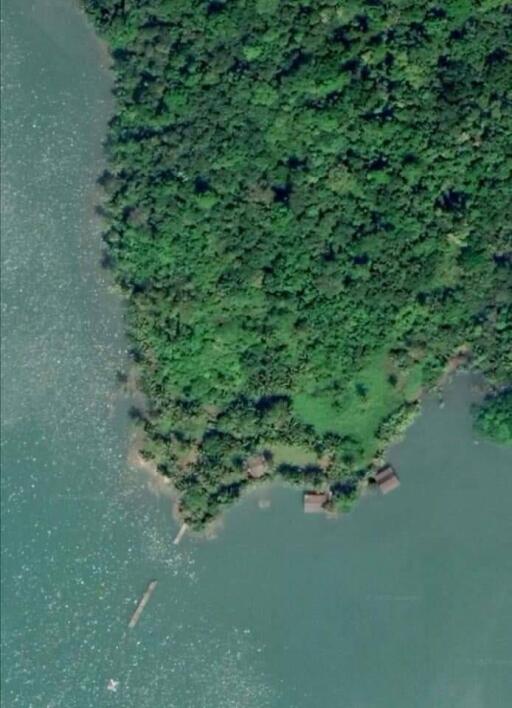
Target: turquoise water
{"x": 405, "y": 603}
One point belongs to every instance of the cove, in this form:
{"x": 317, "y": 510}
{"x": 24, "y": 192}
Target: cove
{"x": 405, "y": 602}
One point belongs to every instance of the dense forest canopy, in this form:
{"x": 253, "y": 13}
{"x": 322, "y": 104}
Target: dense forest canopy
{"x": 309, "y": 205}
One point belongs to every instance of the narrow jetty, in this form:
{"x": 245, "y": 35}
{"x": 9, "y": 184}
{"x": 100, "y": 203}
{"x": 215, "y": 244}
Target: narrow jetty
{"x": 180, "y": 534}
{"x": 142, "y": 603}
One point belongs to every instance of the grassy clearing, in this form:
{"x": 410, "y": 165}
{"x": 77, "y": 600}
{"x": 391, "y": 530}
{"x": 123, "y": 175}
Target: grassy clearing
{"x": 292, "y": 455}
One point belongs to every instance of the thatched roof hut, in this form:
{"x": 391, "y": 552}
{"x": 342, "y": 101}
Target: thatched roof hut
{"x": 256, "y": 466}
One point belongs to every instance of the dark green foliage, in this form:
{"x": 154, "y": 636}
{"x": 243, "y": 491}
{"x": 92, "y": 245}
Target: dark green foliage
{"x": 309, "y": 206}
{"x": 344, "y": 494}
{"x": 312, "y": 475}
{"x": 494, "y": 418}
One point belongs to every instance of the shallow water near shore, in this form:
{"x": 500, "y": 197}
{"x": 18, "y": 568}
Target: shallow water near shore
{"x": 404, "y": 603}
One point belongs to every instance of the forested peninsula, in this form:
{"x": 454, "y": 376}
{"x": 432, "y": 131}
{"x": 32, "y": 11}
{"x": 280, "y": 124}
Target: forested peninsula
{"x": 308, "y": 204}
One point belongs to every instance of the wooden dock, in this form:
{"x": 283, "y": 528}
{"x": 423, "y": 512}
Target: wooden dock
{"x": 142, "y": 603}
{"x": 180, "y": 534}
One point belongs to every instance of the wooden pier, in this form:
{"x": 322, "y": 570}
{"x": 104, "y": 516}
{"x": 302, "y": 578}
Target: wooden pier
{"x": 142, "y": 603}
{"x": 180, "y": 534}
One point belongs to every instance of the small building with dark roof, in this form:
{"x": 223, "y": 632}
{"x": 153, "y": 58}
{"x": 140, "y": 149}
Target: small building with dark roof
{"x": 386, "y": 479}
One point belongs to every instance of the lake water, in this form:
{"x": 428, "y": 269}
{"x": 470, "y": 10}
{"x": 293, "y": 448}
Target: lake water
{"x": 404, "y": 603}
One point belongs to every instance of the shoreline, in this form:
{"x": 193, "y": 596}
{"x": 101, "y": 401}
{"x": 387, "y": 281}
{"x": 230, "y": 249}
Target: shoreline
{"x": 162, "y": 485}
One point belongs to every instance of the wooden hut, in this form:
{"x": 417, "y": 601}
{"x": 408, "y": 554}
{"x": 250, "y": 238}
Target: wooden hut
{"x": 386, "y": 479}
{"x": 314, "y": 502}
{"x": 256, "y": 466}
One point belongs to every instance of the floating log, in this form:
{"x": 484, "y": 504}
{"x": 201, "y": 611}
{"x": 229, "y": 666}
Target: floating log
{"x": 142, "y": 603}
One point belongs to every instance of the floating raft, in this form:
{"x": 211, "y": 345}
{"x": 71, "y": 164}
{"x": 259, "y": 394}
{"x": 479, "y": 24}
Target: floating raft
{"x": 142, "y": 603}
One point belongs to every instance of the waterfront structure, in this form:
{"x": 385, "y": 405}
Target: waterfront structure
{"x": 314, "y": 502}
{"x": 386, "y": 479}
